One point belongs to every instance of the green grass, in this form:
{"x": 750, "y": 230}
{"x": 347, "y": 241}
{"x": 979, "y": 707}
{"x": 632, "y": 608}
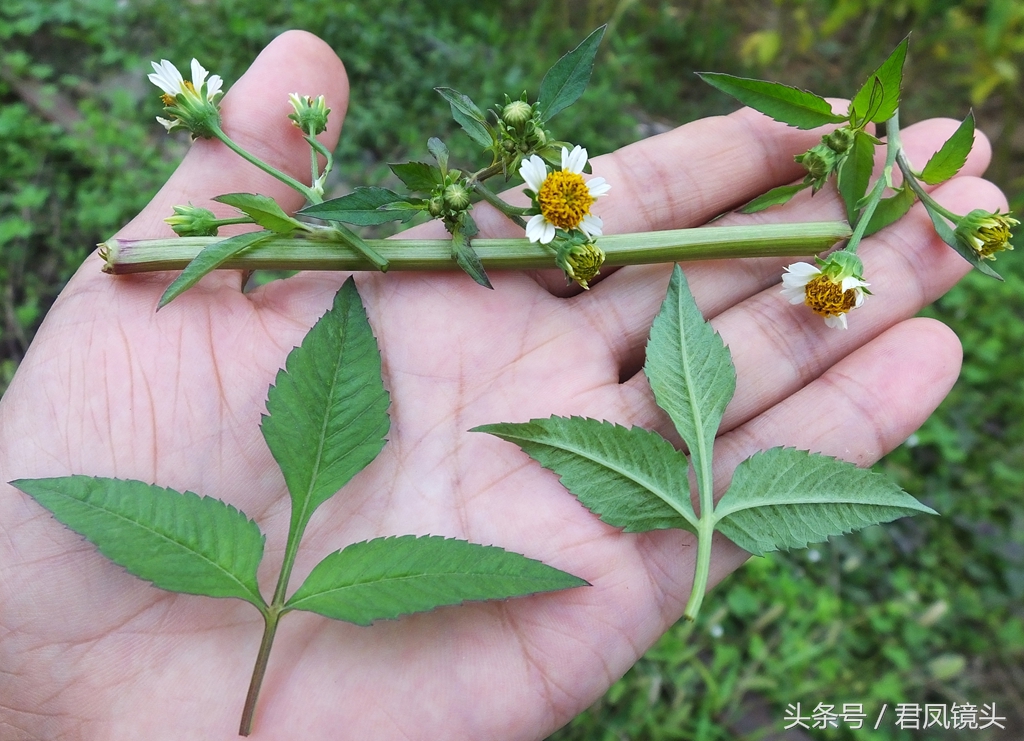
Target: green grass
{"x": 927, "y": 610}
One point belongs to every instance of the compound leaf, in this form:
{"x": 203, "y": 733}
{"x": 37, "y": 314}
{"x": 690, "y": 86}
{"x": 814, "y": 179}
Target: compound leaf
{"x": 790, "y": 105}
{"x": 179, "y": 542}
{"x": 328, "y": 407}
{"x": 385, "y": 578}
{"x": 784, "y": 498}
{"x": 689, "y": 369}
{"x": 631, "y": 478}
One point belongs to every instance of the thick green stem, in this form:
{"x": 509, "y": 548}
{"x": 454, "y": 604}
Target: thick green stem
{"x": 297, "y": 253}
{"x": 271, "y": 618}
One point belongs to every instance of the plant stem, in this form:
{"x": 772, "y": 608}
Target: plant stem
{"x": 291, "y": 182}
{"x": 271, "y": 618}
{"x": 298, "y": 253}
{"x": 512, "y": 212}
{"x": 911, "y": 180}
{"x": 702, "y": 569}
{"x": 893, "y": 150}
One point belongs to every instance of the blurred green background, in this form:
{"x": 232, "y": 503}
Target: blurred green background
{"x": 926, "y": 610}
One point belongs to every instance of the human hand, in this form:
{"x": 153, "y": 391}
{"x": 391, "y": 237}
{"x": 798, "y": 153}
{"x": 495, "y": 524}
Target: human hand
{"x": 111, "y": 388}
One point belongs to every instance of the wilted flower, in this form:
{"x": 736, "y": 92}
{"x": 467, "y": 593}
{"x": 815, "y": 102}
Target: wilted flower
{"x": 310, "y": 113}
{"x": 580, "y": 262}
{"x": 562, "y": 197}
{"x": 985, "y": 233}
{"x": 830, "y": 291}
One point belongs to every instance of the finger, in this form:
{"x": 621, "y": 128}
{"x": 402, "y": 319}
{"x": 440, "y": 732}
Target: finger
{"x": 779, "y": 349}
{"x": 627, "y": 301}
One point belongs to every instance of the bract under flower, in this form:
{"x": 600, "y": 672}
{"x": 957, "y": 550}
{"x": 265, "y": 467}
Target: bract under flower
{"x": 562, "y": 197}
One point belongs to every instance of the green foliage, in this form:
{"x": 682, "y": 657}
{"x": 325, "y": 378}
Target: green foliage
{"x": 855, "y": 173}
{"x": 784, "y": 103}
{"x": 878, "y": 98}
{"x": 947, "y": 162}
{"x": 784, "y": 498}
{"x": 180, "y": 542}
{"x": 361, "y": 207}
{"x": 565, "y": 82}
{"x": 263, "y": 210}
{"x": 209, "y": 259}
{"x": 328, "y": 407}
{"x": 389, "y": 577}
{"x": 774, "y": 197}
{"x": 690, "y": 370}
{"x": 630, "y": 478}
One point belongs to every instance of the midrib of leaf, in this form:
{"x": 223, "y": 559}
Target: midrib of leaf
{"x": 628, "y": 474}
{"x": 700, "y": 461}
{"x": 256, "y": 598}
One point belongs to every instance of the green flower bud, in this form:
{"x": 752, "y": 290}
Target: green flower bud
{"x": 456, "y": 196}
{"x": 190, "y": 221}
{"x": 840, "y": 140}
{"x": 516, "y": 113}
{"x": 985, "y": 233}
{"x": 436, "y": 206}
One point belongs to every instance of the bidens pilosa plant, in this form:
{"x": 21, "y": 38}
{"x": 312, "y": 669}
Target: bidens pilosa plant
{"x": 327, "y": 412}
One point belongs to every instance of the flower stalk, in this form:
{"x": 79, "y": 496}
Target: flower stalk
{"x": 122, "y": 256}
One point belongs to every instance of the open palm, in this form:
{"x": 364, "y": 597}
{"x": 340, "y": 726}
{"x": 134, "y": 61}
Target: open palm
{"x": 111, "y": 388}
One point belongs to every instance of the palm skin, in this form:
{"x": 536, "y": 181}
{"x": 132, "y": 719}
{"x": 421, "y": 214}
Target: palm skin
{"x": 111, "y": 388}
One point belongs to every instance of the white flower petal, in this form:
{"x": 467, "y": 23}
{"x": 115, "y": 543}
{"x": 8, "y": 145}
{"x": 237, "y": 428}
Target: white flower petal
{"x": 539, "y": 229}
{"x": 213, "y": 86}
{"x": 852, "y": 282}
{"x": 166, "y": 77}
{"x": 574, "y": 161}
{"x": 598, "y": 187}
{"x": 795, "y": 294}
{"x": 836, "y": 322}
{"x": 592, "y": 225}
{"x": 167, "y": 123}
{"x": 533, "y": 171}
{"x": 803, "y": 271}
{"x": 198, "y": 75}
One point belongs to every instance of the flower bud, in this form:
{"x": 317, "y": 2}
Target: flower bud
{"x": 819, "y": 161}
{"x": 435, "y": 206}
{"x": 985, "y": 233}
{"x": 190, "y": 221}
{"x": 516, "y": 113}
{"x": 456, "y": 196}
{"x": 840, "y": 140}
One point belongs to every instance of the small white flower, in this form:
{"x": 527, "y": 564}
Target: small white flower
{"x": 190, "y": 103}
{"x": 167, "y": 78}
{"x": 562, "y": 197}
{"x": 830, "y": 291}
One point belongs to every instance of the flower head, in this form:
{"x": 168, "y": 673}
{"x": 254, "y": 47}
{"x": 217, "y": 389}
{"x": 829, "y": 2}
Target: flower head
{"x": 985, "y": 233}
{"x": 562, "y": 197}
{"x": 191, "y": 104}
{"x": 310, "y": 113}
{"x": 192, "y": 221}
{"x": 580, "y": 261}
{"x": 830, "y": 291}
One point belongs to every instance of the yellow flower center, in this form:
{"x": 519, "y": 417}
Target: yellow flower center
{"x": 994, "y": 239}
{"x": 826, "y": 298}
{"x": 187, "y": 86}
{"x": 564, "y": 199}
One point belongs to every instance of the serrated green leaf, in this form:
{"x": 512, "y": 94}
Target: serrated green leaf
{"x": 947, "y": 235}
{"x": 179, "y": 542}
{"x": 890, "y": 210}
{"x": 418, "y": 176}
{"x": 855, "y": 174}
{"x": 953, "y": 154}
{"x": 889, "y": 77}
{"x": 565, "y": 82}
{"x": 386, "y": 578}
{"x": 439, "y": 151}
{"x": 631, "y": 478}
{"x": 360, "y": 207}
{"x": 328, "y": 407}
{"x": 784, "y": 498}
{"x": 209, "y": 259}
{"x": 464, "y": 254}
{"x": 690, "y": 370}
{"x": 263, "y": 210}
{"x": 774, "y": 197}
{"x": 468, "y": 115}
{"x": 790, "y": 105}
